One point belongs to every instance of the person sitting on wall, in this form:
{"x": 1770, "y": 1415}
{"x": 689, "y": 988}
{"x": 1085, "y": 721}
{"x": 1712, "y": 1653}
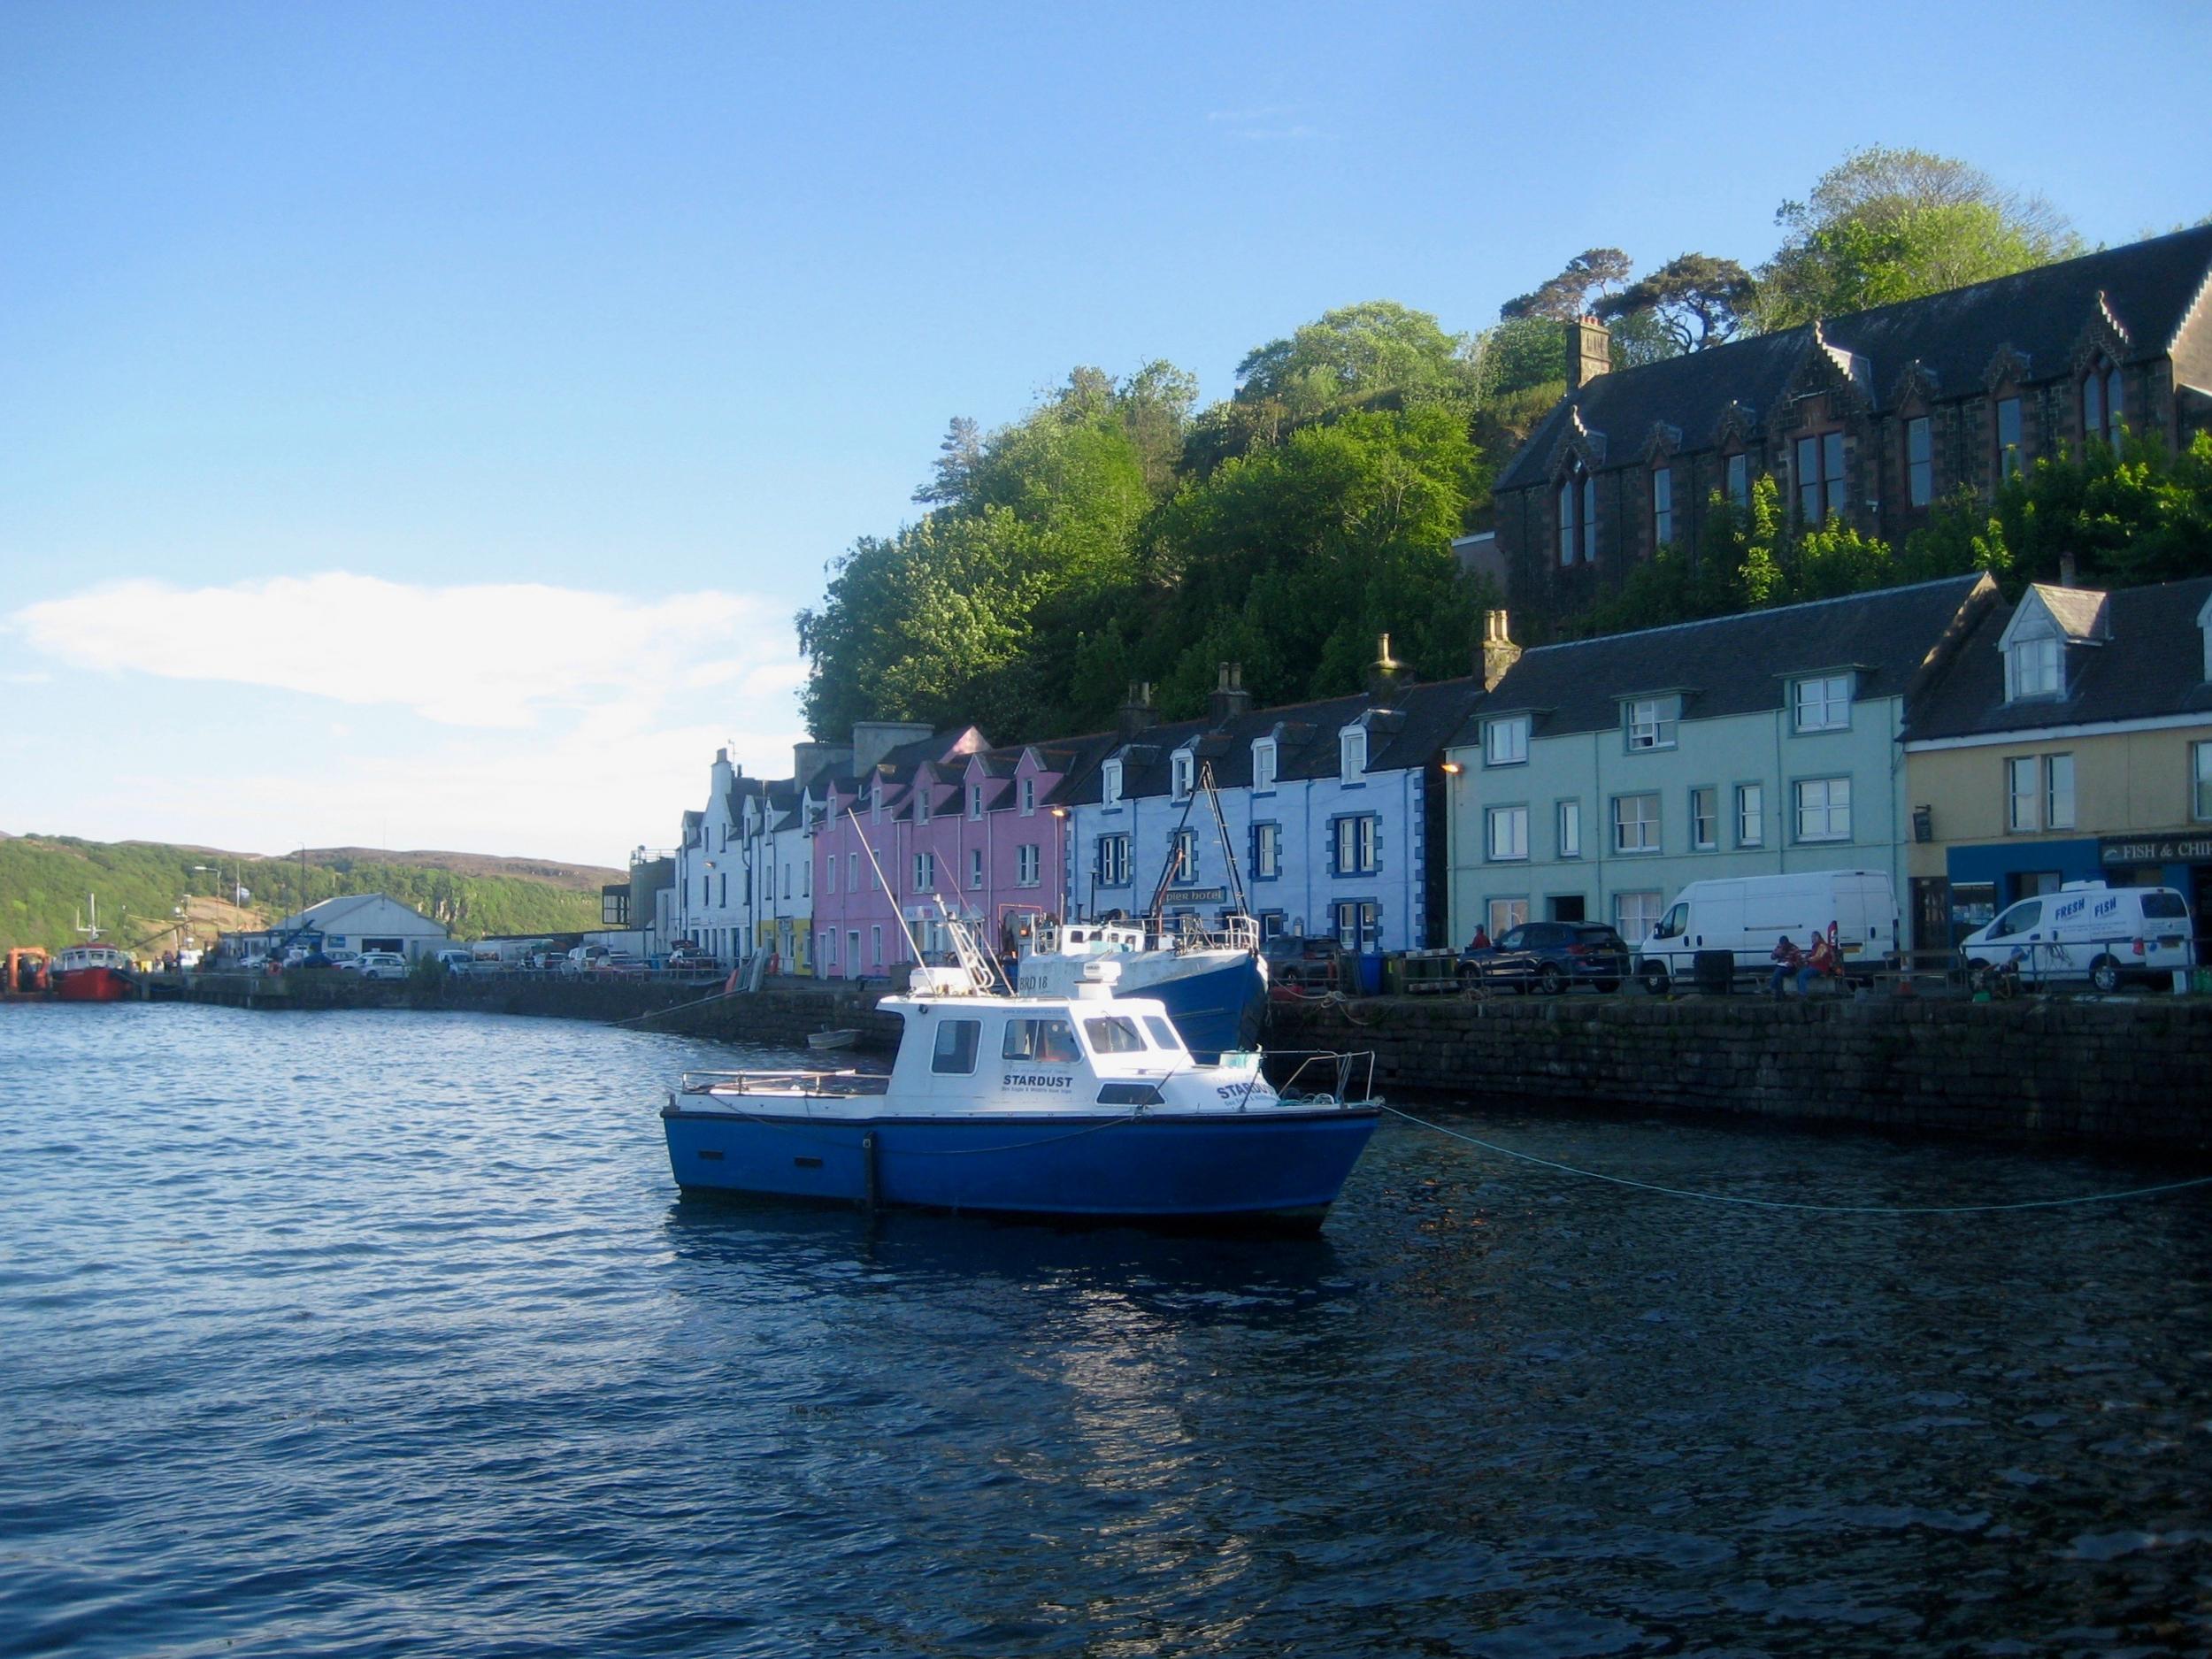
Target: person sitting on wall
{"x": 1822, "y": 963}
{"x": 1787, "y": 959}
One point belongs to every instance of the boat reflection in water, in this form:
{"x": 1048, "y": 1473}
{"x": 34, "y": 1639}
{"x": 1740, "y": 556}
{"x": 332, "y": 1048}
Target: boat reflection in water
{"x": 1087, "y": 1106}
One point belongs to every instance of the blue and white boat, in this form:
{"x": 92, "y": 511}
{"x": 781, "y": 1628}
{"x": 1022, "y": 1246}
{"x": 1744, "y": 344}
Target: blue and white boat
{"x": 1212, "y": 983}
{"x": 1087, "y": 1106}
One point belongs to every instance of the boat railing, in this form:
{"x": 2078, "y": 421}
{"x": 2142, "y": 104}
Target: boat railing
{"x": 835, "y": 1085}
{"x": 1328, "y": 1076}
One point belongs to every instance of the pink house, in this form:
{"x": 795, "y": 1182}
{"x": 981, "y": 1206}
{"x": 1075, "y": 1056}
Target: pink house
{"x": 944, "y": 817}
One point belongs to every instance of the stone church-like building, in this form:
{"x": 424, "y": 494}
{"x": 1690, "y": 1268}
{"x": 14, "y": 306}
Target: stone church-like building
{"x": 1869, "y": 418}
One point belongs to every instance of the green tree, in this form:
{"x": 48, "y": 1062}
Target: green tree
{"x": 1566, "y": 296}
{"x": 1888, "y": 224}
{"x": 1694, "y": 300}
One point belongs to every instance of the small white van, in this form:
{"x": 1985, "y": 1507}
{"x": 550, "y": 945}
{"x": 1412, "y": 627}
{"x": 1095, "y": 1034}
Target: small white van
{"x": 2087, "y": 931}
{"x": 1748, "y": 914}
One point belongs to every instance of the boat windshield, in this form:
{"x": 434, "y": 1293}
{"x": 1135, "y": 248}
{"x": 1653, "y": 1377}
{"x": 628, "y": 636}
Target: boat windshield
{"x": 1163, "y": 1032}
{"x": 1114, "y": 1035}
{"x": 1050, "y": 1040}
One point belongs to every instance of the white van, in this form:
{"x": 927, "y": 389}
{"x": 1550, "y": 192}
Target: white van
{"x": 1748, "y": 914}
{"x": 2087, "y": 931}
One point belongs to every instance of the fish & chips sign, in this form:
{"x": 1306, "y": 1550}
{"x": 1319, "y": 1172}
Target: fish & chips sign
{"x": 2155, "y": 849}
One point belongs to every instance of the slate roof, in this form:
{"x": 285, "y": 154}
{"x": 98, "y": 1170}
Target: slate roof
{"x": 2150, "y": 664}
{"x": 1408, "y": 731}
{"x": 2150, "y": 287}
{"x": 1739, "y": 664}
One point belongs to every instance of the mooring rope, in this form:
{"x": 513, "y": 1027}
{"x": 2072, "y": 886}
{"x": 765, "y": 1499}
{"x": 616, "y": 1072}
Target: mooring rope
{"x": 1782, "y": 1203}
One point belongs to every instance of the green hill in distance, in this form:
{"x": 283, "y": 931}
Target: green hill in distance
{"x": 150, "y": 892}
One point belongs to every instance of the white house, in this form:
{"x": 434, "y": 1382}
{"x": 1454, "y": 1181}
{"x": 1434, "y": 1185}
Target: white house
{"x": 367, "y": 921}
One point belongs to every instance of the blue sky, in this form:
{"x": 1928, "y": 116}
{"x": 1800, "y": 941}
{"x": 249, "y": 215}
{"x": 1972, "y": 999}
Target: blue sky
{"x": 418, "y": 423}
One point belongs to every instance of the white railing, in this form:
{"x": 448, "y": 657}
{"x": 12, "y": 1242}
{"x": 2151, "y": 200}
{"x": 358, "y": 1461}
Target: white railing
{"x": 837, "y": 1084}
{"x": 1325, "y": 1077}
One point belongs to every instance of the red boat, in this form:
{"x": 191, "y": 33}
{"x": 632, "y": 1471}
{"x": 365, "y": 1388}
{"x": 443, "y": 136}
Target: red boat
{"x": 93, "y": 973}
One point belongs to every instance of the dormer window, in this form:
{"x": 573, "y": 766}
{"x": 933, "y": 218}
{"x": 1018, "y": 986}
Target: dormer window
{"x": 875, "y": 801}
{"x": 2101, "y": 416}
{"x": 921, "y": 803}
{"x": 1577, "y": 516}
{"x": 1821, "y": 704}
{"x": 1109, "y": 783}
{"x": 1919, "y": 461}
{"x": 1739, "y": 480}
{"x": 1652, "y": 722}
{"x": 975, "y": 800}
{"x": 1821, "y": 484}
{"x": 2035, "y": 668}
{"x": 1505, "y": 742}
{"x": 1181, "y": 766}
{"x": 1264, "y": 764}
{"x": 1029, "y": 797}
{"x": 1352, "y": 753}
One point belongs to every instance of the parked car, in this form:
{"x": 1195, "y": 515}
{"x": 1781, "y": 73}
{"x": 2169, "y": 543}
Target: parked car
{"x": 1746, "y": 915}
{"x": 382, "y": 965}
{"x": 581, "y": 959}
{"x": 1302, "y": 962}
{"x": 455, "y": 961}
{"x": 253, "y": 962}
{"x": 343, "y": 959}
{"x": 625, "y": 964}
{"x": 547, "y": 959}
{"x": 1550, "y": 957}
{"x": 2087, "y": 931}
{"x": 681, "y": 961}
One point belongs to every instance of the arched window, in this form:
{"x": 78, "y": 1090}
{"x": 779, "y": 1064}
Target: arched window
{"x": 2100, "y": 407}
{"x": 1577, "y": 516}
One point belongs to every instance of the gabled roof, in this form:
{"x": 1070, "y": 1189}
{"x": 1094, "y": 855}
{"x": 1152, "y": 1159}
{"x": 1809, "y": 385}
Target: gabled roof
{"x": 2150, "y": 664}
{"x": 2149, "y": 288}
{"x": 1408, "y": 732}
{"x": 1740, "y": 664}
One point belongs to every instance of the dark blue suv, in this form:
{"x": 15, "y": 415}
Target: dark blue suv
{"x": 1550, "y": 957}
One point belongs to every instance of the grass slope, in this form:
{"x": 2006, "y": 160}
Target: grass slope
{"x": 140, "y": 886}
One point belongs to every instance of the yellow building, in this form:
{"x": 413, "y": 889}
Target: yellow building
{"x": 2070, "y": 741}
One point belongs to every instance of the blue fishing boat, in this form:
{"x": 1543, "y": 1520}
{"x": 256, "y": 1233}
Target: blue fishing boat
{"x": 1212, "y": 983}
{"x": 1085, "y": 1107}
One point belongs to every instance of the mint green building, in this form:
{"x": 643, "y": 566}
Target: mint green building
{"x": 1599, "y": 778}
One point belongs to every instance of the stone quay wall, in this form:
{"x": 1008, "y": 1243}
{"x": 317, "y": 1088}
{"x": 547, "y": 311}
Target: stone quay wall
{"x": 2124, "y": 1072}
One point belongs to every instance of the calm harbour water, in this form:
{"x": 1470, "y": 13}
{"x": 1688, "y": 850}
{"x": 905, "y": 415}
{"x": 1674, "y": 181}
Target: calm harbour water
{"x": 385, "y": 1333}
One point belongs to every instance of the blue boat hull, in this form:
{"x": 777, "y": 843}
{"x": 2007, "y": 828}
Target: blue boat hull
{"x": 1278, "y": 1168}
{"x": 1216, "y": 1011}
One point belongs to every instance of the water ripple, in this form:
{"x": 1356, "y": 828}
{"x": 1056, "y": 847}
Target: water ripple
{"x": 382, "y": 1334}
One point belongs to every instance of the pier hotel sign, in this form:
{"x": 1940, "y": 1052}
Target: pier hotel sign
{"x": 2121, "y": 850}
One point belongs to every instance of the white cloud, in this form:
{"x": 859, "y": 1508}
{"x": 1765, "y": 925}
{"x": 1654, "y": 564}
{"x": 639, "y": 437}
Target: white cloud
{"x": 499, "y": 655}
{"x": 577, "y": 725}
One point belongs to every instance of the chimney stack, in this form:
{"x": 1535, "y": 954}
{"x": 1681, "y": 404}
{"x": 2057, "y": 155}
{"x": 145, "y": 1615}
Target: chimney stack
{"x": 1230, "y": 699}
{"x": 1499, "y": 652}
{"x": 1589, "y": 351}
{"x": 1137, "y": 714}
{"x": 2068, "y": 571}
{"x": 1386, "y": 673}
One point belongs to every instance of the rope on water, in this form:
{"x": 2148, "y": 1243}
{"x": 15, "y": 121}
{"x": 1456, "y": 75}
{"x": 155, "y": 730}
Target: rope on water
{"x": 1780, "y": 1204}
{"x": 676, "y": 1007}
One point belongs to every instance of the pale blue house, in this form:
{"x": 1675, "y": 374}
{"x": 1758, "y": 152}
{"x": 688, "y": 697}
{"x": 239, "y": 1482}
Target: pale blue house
{"x": 1600, "y": 777}
{"x": 1335, "y": 810}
